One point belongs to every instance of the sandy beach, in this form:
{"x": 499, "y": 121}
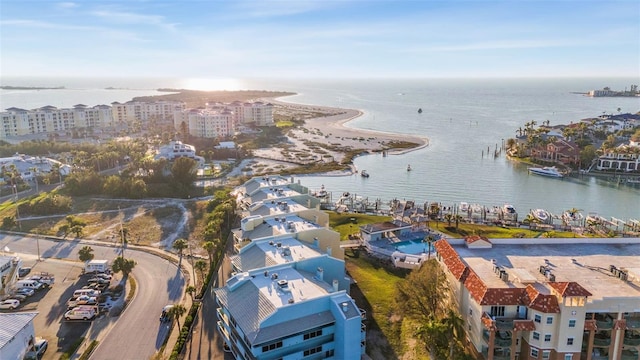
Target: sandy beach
{"x": 331, "y": 130}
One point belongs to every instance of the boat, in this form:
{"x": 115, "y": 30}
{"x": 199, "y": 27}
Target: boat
{"x": 364, "y": 174}
{"x": 541, "y": 215}
{"x": 420, "y": 111}
{"x": 464, "y": 206}
{"x": 550, "y": 171}
{"x": 572, "y": 216}
{"x": 509, "y": 212}
{"x": 408, "y": 167}
{"x": 322, "y": 193}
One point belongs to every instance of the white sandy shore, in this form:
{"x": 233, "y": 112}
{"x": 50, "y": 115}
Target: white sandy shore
{"x": 334, "y": 130}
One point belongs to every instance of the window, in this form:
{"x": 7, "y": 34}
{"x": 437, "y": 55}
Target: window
{"x": 534, "y": 353}
{"x": 313, "y": 351}
{"x": 546, "y": 354}
{"x": 536, "y": 335}
{"x": 537, "y": 318}
{"x": 273, "y": 346}
{"x": 547, "y": 337}
{"x": 497, "y": 311}
{"x": 568, "y": 356}
{"x": 312, "y": 334}
{"x": 569, "y": 341}
{"x": 549, "y": 319}
{"x": 572, "y": 323}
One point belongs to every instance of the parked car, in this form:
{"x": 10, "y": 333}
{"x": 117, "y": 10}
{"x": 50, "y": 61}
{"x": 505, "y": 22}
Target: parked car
{"x": 164, "y": 316}
{"x": 39, "y": 347}
{"x": 24, "y": 271}
{"x": 18, "y": 297}
{"x": 9, "y": 304}
{"x": 98, "y": 280}
{"x": 47, "y": 279}
{"x": 82, "y": 300}
{"x": 25, "y": 291}
{"x": 104, "y": 276}
{"x": 81, "y": 313}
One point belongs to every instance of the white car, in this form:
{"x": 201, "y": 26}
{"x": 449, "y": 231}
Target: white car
{"x": 25, "y": 291}
{"x": 9, "y": 304}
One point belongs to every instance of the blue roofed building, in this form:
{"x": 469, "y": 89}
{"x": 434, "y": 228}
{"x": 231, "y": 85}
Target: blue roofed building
{"x": 289, "y": 295}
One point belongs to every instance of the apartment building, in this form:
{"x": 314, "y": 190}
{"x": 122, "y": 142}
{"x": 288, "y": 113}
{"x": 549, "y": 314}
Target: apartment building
{"x": 289, "y": 295}
{"x": 557, "y": 299}
{"x": 49, "y": 119}
{"x": 205, "y": 123}
{"x": 158, "y": 111}
{"x": 273, "y": 205}
{"x": 252, "y": 113}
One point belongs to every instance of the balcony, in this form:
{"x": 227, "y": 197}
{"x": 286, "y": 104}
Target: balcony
{"x": 630, "y": 354}
{"x": 501, "y": 340}
{"x": 601, "y": 341}
{"x": 633, "y": 322}
{"x": 631, "y": 341}
{"x": 363, "y": 314}
{"x": 604, "y": 324}
{"x": 499, "y": 355}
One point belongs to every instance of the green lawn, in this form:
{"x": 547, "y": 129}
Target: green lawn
{"x": 344, "y": 224}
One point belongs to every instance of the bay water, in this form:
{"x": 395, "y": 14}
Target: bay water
{"x": 463, "y": 119}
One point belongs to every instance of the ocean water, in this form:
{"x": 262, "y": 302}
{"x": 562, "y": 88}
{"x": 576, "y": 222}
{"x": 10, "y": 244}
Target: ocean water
{"x": 463, "y": 118}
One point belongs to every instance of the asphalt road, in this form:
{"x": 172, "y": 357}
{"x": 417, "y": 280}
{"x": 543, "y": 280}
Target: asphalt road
{"x": 137, "y": 332}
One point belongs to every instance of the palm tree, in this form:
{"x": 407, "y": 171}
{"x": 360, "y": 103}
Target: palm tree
{"x": 176, "y": 312}
{"x": 201, "y": 266}
{"x": 124, "y": 265}
{"x": 180, "y": 245}
{"x": 209, "y": 247}
{"x": 191, "y": 290}
{"x": 448, "y": 217}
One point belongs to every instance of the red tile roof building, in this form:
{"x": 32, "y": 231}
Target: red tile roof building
{"x": 542, "y": 299}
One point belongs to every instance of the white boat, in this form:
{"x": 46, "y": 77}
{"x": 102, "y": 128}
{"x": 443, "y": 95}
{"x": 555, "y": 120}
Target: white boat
{"x": 550, "y": 171}
{"x": 322, "y": 193}
{"x": 464, "y": 207}
{"x": 572, "y": 216}
{"x": 541, "y": 215}
{"x": 508, "y": 209}
{"x": 364, "y": 174}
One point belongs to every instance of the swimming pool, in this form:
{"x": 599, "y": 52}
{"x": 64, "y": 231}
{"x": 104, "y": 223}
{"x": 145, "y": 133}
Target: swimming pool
{"x": 413, "y": 247}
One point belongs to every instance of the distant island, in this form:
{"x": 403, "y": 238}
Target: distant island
{"x": 31, "y": 88}
{"x": 607, "y": 92}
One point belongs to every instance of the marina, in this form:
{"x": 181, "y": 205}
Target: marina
{"x": 420, "y": 213}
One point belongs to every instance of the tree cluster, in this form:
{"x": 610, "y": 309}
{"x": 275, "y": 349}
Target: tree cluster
{"x": 424, "y": 298}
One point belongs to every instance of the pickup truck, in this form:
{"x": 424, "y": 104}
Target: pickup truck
{"x": 82, "y": 300}
{"x": 45, "y": 278}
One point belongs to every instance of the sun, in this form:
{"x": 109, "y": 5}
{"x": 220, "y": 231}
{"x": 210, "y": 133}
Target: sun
{"x": 212, "y": 84}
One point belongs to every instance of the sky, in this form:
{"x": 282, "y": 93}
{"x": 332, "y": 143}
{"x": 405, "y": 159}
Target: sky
{"x": 320, "y": 39}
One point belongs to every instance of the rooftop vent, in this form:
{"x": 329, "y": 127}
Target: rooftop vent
{"x": 345, "y": 306}
{"x": 274, "y": 276}
{"x": 266, "y": 273}
{"x": 291, "y": 301}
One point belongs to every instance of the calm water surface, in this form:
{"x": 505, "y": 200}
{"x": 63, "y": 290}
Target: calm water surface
{"x": 462, "y": 119}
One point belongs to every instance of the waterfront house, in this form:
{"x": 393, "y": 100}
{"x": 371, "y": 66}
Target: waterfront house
{"x": 177, "y": 149}
{"x": 561, "y": 151}
{"x": 624, "y": 158}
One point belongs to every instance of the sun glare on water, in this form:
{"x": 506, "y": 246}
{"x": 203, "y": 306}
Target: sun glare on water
{"x": 212, "y": 84}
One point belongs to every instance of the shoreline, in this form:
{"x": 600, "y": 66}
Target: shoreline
{"x": 335, "y": 125}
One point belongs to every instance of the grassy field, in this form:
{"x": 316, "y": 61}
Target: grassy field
{"x": 344, "y": 224}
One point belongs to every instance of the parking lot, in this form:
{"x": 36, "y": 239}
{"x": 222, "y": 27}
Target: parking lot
{"x": 51, "y": 304}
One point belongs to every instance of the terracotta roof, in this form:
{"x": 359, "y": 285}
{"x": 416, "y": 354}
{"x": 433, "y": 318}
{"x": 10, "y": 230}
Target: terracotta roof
{"x": 488, "y": 322}
{"x": 502, "y": 296}
{"x": 544, "y": 303}
{"x": 475, "y": 286}
{"x": 590, "y": 325}
{"x": 524, "y": 325}
{"x": 473, "y": 238}
{"x": 569, "y": 289}
{"x": 451, "y": 260}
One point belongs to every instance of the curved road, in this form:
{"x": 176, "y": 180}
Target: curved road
{"x": 136, "y": 334}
